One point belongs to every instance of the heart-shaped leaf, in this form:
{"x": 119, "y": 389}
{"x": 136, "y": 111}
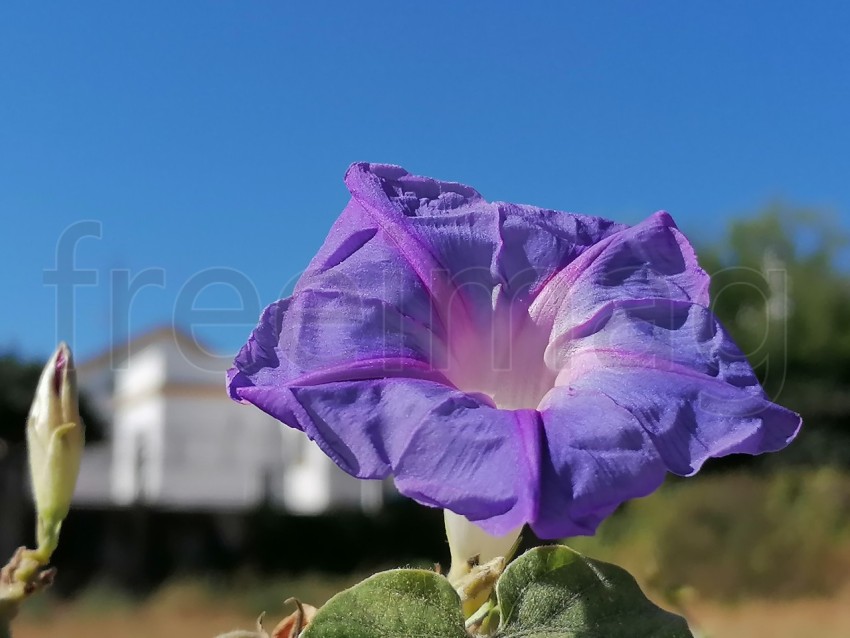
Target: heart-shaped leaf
{"x": 555, "y": 592}
{"x": 413, "y": 603}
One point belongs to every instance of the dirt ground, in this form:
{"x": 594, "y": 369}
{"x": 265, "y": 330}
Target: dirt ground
{"x": 812, "y": 618}
{"x": 822, "y": 618}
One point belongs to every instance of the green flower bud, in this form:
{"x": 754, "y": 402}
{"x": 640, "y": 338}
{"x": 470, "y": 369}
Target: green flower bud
{"x": 55, "y": 441}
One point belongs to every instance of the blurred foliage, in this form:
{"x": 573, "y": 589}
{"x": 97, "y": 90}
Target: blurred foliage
{"x": 780, "y": 287}
{"x": 777, "y": 284}
{"x": 719, "y": 536}
{"x": 17, "y": 387}
{"x": 18, "y": 380}
{"x": 735, "y": 535}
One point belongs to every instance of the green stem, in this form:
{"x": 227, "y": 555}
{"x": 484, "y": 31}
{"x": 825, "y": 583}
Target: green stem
{"x": 24, "y": 576}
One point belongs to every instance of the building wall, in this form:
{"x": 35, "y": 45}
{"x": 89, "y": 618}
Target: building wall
{"x": 178, "y": 441}
{"x": 138, "y": 446}
{"x": 218, "y": 453}
{"x": 98, "y": 386}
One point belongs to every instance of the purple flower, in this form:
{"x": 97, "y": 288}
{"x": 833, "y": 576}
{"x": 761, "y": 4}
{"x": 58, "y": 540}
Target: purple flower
{"x": 509, "y": 363}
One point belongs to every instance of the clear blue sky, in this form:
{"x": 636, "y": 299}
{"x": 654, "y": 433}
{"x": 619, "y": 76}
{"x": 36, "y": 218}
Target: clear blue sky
{"x": 204, "y": 135}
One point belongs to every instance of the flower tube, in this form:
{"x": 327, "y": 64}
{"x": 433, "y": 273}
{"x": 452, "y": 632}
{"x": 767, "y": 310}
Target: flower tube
{"x": 470, "y": 545}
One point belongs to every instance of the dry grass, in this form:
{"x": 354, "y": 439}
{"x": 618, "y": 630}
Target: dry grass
{"x": 141, "y": 623}
{"x": 800, "y": 618}
{"x": 188, "y": 618}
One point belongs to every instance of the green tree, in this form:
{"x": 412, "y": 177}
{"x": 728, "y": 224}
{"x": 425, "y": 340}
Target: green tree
{"x": 779, "y": 287}
{"x": 18, "y": 379}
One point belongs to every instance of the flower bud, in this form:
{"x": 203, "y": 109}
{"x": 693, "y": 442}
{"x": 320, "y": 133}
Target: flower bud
{"x": 470, "y": 545}
{"x": 55, "y": 444}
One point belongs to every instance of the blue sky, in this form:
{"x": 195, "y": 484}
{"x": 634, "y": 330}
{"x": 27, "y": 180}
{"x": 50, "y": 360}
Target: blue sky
{"x": 214, "y": 135}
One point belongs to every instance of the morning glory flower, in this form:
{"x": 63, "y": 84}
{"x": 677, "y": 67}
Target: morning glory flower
{"x": 511, "y": 364}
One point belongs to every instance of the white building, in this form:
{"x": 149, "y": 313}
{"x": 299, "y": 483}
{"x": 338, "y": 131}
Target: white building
{"x": 175, "y": 439}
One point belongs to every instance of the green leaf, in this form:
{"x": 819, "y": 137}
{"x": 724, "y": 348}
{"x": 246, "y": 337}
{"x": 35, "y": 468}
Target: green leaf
{"x": 409, "y": 603}
{"x": 555, "y": 592}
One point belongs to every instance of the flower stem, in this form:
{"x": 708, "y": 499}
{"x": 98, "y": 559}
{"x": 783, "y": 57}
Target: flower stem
{"x": 24, "y": 576}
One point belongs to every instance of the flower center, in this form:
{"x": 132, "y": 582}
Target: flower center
{"x": 502, "y": 359}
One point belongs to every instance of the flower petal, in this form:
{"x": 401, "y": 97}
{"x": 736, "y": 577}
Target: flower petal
{"x": 655, "y": 389}
{"x": 358, "y": 311}
{"x": 689, "y": 415}
{"x": 649, "y": 261}
{"x": 444, "y": 448}
{"x": 652, "y": 372}
{"x": 647, "y": 379}
{"x": 449, "y": 230}
{"x": 597, "y": 456}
